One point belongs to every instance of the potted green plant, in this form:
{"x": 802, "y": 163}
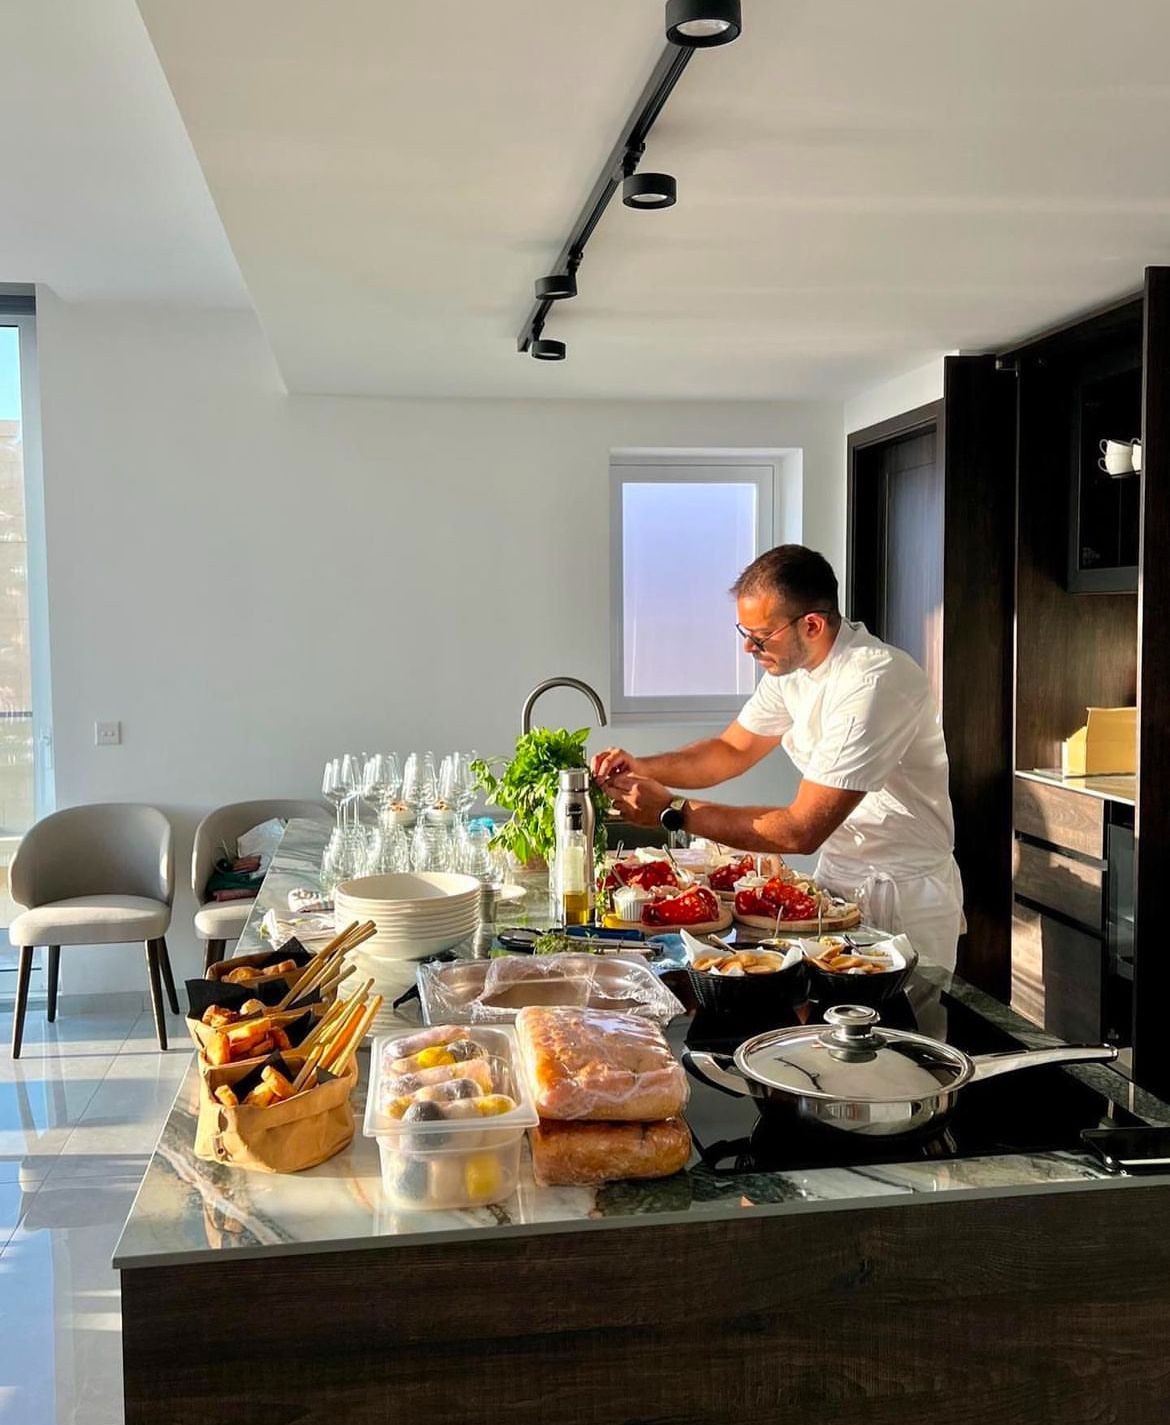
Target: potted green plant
{"x": 526, "y": 786}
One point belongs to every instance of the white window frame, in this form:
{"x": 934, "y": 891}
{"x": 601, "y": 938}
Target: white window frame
{"x": 674, "y": 468}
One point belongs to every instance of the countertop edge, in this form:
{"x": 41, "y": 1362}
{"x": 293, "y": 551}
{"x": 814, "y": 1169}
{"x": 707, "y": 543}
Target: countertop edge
{"x": 718, "y": 1212}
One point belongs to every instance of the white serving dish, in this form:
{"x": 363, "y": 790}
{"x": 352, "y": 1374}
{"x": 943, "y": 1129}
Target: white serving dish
{"x": 407, "y": 888}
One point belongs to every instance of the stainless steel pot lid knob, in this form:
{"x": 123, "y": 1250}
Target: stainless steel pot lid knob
{"x": 852, "y": 1024}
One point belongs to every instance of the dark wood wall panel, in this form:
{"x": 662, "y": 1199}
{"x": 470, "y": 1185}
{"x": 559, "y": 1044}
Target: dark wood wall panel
{"x": 1152, "y": 815}
{"x": 1072, "y": 650}
{"x": 978, "y": 443}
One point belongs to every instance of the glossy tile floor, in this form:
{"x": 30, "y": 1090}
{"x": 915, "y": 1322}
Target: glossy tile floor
{"x": 79, "y": 1115}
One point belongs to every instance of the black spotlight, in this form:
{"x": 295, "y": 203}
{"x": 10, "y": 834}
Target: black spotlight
{"x": 699, "y": 24}
{"x": 555, "y": 289}
{"x": 548, "y": 350}
{"x": 649, "y": 190}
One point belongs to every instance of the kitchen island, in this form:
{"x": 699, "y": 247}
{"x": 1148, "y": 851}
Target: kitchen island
{"x": 1022, "y": 1286}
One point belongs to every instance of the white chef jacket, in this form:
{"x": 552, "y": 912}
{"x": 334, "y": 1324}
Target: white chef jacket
{"x": 865, "y": 720}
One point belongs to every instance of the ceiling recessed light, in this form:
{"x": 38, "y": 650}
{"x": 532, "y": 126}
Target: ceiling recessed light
{"x": 545, "y": 349}
{"x": 649, "y": 190}
{"x": 699, "y": 24}
{"x": 556, "y": 288}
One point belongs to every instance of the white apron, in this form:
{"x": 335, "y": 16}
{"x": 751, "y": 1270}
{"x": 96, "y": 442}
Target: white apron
{"x": 925, "y": 905}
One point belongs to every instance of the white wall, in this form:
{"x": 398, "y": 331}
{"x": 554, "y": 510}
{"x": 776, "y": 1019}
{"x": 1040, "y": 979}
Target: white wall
{"x": 251, "y": 582}
{"x": 894, "y": 397}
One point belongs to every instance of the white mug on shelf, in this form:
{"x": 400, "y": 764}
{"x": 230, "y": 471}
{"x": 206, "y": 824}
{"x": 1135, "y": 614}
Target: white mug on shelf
{"x": 1136, "y": 447}
{"x": 1117, "y": 457}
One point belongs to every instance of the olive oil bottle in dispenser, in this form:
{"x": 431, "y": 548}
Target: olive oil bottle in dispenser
{"x": 572, "y": 878}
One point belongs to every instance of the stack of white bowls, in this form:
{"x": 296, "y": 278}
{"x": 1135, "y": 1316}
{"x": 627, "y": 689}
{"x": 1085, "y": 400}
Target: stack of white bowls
{"x": 417, "y": 913}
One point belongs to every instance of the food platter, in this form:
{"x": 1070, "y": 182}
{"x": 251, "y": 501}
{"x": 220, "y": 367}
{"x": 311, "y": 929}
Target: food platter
{"x": 704, "y": 927}
{"x": 845, "y": 919}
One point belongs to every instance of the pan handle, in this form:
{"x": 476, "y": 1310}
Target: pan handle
{"x": 987, "y": 1066}
{"x": 714, "y": 1070}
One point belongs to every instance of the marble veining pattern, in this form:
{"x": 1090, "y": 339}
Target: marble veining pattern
{"x": 186, "y": 1208}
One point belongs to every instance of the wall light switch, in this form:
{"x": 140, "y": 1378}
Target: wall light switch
{"x": 107, "y": 734}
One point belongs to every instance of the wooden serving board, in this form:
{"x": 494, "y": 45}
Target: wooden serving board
{"x": 704, "y": 927}
{"x": 827, "y": 925}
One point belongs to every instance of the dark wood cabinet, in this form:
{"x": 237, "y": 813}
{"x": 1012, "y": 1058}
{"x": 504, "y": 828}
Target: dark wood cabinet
{"x": 1058, "y": 976}
{"x": 931, "y": 568}
{"x": 1059, "y": 816}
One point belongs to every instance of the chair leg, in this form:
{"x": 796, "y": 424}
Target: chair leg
{"x": 22, "y": 977}
{"x": 152, "y": 967}
{"x": 213, "y": 953}
{"x": 164, "y": 960}
{"x": 54, "y": 973}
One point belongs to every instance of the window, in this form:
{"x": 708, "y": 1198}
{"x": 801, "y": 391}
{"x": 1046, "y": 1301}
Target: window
{"x": 23, "y": 737}
{"x": 682, "y": 530}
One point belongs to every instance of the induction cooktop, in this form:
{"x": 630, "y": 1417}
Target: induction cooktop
{"x": 1030, "y": 1111}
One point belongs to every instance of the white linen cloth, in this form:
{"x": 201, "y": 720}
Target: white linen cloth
{"x": 865, "y": 720}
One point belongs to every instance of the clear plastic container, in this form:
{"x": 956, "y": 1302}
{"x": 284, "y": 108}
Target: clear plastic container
{"x": 451, "y": 1163}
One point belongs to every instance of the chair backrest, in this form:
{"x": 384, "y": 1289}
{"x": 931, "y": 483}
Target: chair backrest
{"x": 226, "y": 823}
{"x": 112, "y": 848}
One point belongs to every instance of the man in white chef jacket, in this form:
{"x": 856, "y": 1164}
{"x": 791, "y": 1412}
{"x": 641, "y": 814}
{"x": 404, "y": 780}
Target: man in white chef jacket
{"x": 858, "y": 719}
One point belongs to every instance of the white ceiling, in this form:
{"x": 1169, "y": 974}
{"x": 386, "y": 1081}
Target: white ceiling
{"x": 101, "y": 196}
{"x": 862, "y": 185}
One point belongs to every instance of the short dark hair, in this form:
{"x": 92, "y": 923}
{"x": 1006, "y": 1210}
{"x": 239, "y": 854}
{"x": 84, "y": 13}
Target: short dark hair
{"x": 801, "y": 577}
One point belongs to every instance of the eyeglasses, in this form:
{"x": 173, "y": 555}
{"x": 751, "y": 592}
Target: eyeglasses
{"x": 758, "y": 643}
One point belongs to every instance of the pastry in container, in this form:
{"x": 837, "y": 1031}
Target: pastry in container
{"x": 584, "y": 1154}
{"x": 590, "y": 1064}
{"x": 449, "y": 1134}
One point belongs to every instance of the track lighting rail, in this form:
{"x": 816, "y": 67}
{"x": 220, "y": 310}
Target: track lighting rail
{"x": 622, "y": 162}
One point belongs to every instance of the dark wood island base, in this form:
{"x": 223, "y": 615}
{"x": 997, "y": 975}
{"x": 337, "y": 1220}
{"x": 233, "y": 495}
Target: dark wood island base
{"x": 1037, "y": 1307}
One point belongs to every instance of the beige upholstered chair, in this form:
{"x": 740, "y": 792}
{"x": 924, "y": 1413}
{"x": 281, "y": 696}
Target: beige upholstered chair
{"x": 94, "y": 875}
{"x": 218, "y": 922}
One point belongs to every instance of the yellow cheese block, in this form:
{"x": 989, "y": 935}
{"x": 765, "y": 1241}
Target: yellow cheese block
{"x": 1105, "y": 747}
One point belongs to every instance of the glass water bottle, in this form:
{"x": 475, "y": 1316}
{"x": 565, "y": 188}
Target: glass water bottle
{"x": 572, "y": 878}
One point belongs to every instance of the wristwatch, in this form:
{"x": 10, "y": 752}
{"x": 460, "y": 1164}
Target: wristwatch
{"x": 671, "y": 818}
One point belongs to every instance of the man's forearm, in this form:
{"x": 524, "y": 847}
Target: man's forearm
{"x": 702, "y": 764}
{"x": 751, "y": 828}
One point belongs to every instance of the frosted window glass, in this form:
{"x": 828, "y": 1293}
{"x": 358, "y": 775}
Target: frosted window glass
{"x": 683, "y": 546}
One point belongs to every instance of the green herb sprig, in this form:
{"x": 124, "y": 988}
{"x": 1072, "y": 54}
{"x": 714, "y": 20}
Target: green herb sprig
{"x": 526, "y": 786}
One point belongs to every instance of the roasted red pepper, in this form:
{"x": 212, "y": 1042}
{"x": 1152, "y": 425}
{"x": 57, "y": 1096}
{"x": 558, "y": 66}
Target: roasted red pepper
{"x": 777, "y": 899}
{"x": 646, "y": 874}
{"x": 723, "y": 878}
{"x": 694, "y": 907}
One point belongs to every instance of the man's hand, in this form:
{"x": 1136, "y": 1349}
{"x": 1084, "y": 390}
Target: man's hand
{"x": 614, "y": 762}
{"x": 641, "y": 800}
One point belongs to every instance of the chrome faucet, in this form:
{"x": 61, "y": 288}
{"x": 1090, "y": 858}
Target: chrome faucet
{"x": 541, "y": 688}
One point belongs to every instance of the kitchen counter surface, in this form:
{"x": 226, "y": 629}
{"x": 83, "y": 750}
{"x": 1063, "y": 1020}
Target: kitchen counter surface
{"x": 189, "y": 1211}
{"x": 1110, "y": 789}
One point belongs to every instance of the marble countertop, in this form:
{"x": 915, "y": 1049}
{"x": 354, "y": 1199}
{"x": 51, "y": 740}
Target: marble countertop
{"x": 1109, "y": 789}
{"x": 187, "y": 1209}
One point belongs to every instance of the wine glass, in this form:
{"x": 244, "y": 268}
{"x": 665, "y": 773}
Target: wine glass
{"x": 420, "y": 782}
{"x": 431, "y": 848}
{"x": 351, "y": 774}
{"x": 332, "y": 789}
{"x": 457, "y": 784}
